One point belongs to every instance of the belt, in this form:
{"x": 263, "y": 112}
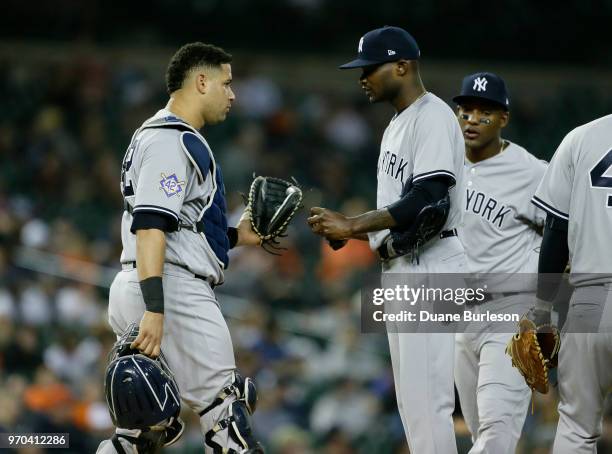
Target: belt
{"x": 383, "y": 250}
{"x": 448, "y": 233}
{"x": 132, "y": 266}
{"x": 491, "y": 297}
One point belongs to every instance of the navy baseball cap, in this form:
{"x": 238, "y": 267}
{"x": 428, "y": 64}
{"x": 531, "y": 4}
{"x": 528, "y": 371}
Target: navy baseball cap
{"x": 384, "y": 45}
{"x": 484, "y": 85}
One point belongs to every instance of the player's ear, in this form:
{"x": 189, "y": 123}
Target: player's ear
{"x": 402, "y": 67}
{"x": 201, "y": 82}
{"x": 504, "y": 118}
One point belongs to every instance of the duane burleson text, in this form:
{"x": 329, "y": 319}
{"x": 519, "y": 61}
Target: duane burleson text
{"x": 426, "y": 316}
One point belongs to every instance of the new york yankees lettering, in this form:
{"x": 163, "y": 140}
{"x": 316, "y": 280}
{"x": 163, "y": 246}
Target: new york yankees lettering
{"x": 475, "y": 203}
{"x": 388, "y": 166}
{"x": 480, "y": 84}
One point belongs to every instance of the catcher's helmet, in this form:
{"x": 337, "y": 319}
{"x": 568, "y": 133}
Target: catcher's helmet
{"x": 140, "y": 392}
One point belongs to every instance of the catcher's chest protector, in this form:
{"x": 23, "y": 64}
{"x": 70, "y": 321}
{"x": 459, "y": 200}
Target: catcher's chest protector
{"x": 213, "y": 220}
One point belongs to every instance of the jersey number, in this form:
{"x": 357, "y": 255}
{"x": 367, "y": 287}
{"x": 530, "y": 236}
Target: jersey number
{"x": 598, "y": 179}
{"x": 126, "y": 185}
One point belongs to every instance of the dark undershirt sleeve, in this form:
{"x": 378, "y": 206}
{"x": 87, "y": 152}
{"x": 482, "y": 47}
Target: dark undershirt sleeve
{"x": 147, "y": 220}
{"x": 554, "y": 254}
{"x": 424, "y": 192}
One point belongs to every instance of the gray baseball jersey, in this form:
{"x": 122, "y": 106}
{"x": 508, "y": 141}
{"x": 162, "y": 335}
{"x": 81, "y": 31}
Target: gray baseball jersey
{"x": 498, "y": 228}
{"x": 160, "y": 176}
{"x": 422, "y": 141}
{"x": 578, "y": 187}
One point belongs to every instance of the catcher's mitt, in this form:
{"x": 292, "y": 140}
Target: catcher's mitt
{"x": 534, "y": 351}
{"x": 272, "y": 203}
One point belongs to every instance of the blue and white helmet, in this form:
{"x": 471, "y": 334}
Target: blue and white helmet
{"x": 141, "y": 392}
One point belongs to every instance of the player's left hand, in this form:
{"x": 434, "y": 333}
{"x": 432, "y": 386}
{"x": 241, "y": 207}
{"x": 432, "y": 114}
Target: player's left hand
{"x": 330, "y": 224}
{"x": 246, "y": 234}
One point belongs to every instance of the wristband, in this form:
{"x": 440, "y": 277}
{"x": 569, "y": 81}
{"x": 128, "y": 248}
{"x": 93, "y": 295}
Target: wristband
{"x": 153, "y": 294}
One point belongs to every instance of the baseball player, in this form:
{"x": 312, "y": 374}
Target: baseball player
{"x": 500, "y": 234}
{"x": 420, "y": 163}
{"x": 576, "y": 193}
{"x": 175, "y": 247}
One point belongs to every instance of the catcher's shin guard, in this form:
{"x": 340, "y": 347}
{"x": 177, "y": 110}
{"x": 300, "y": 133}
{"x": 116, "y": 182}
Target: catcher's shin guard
{"x": 238, "y": 425}
{"x": 233, "y": 426}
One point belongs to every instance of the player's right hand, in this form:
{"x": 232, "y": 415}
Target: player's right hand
{"x": 330, "y": 224}
{"x": 150, "y": 332}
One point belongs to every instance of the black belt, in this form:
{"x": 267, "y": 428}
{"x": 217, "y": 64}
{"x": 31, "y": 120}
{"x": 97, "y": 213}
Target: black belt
{"x": 448, "y": 233}
{"x": 198, "y": 276}
{"x": 383, "y": 252}
{"x": 490, "y": 297}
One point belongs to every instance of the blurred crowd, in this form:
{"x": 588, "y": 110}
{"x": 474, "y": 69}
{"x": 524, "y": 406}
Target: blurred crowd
{"x": 323, "y": 386}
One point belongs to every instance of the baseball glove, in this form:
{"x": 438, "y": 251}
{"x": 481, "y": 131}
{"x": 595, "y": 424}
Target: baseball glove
{"x": 534, "y": 351}
{"x": 428, "y": 223}
{"x": 272, "y": 204}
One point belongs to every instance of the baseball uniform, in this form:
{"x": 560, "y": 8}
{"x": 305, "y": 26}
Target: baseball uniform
{"x": 577, "y": 187}
{"x": 423, "y": 141}
{"x": 499, "y": 235}
{"x": 170, "y": 169}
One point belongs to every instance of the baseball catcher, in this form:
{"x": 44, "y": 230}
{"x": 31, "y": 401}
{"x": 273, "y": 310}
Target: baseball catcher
{"x": 534, "y": 349}
{"x": 272, "y": 204}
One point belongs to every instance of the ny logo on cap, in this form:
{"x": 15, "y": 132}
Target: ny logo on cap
{"x": 480, "y": 84}
{"x": 360, "y": 45}
{"x": 391, "y": 52}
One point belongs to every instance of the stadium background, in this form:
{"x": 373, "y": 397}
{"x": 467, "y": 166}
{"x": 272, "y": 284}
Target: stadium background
{"x": 76, "y": 78}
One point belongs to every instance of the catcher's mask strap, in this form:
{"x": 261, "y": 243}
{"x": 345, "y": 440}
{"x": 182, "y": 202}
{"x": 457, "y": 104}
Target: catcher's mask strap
{"x": 117, "y": 445}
